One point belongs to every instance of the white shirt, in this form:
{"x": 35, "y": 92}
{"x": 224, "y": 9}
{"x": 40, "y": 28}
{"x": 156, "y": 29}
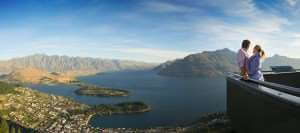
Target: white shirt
{"x": 242, "y": 55}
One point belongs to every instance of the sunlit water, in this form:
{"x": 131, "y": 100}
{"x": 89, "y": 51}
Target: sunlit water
{"x": 174, "y": 101}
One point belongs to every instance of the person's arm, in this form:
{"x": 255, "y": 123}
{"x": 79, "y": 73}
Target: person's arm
{"x": 240, "y": 59}
{"x": 244, "y": 73}
{"x": 246, "y": 62}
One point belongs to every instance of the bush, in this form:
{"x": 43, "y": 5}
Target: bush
{"x": 4, "y": 128}
{"x": 6, "y": 88}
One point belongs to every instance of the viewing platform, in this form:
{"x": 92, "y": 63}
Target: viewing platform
{"x": 270, "y": 106}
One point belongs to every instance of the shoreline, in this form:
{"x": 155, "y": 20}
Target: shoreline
{"x": 89, "y": 119}
{"x": 94, "y": 114}
{"x": 21, "y": 102}
{"x": 217, "y": 122}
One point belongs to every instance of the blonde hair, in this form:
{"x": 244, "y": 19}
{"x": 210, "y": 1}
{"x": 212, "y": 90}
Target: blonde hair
{"x": 261, "y": 52}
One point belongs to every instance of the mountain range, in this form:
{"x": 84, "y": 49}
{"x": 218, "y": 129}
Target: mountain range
{"x": 215, "y": 63}
{"x": 207, "y": 63}
{"x": 71, "y": 65}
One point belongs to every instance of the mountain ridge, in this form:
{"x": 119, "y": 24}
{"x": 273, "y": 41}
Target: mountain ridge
{"x": 207, "y": 63}
{"x": 69, "y": 64}
{"x": 215, "y": 63}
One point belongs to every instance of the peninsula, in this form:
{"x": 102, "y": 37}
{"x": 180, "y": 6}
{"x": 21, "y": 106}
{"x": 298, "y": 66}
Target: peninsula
{"x": 38, "y": 76}
{"x": 49, "y": 113}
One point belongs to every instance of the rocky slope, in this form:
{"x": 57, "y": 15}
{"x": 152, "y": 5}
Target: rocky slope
{"x": 33, "y": 75}
{"x": 71, "y": 65}
{"x": 214, "y": 63}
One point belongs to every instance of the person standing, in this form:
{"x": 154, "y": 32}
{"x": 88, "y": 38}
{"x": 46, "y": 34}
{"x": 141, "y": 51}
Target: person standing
{"x": 255, "y": 63}
{"x": 242, "y": 58}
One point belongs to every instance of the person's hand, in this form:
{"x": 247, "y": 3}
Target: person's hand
{"x": 245, "y": 77}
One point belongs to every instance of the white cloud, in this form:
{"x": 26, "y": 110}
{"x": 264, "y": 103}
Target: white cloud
{"x": 242, "y": 19}
{"x": 148, "y": 54}
{"x": 296, "y": 35}
{"x": 242, "y": 8}
{"x": 292, "y": 2}
{"x": 261, "y": 27}
{"x": 164, "y": 7}
{"x": 235, "y": 20}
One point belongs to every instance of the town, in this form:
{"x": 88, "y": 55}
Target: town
{"x": 55, "y": 114}
{"x": 45, "y": 113}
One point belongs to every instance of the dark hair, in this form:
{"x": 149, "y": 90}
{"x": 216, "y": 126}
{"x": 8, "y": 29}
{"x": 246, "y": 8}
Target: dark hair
{"x": 260, "y": 51}
{"x": 246, "y": 44}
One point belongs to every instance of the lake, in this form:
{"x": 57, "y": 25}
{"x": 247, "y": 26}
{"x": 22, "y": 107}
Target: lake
{"x": 174, "y": 101}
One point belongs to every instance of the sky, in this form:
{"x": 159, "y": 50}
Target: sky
{"x": 146, "y": 30}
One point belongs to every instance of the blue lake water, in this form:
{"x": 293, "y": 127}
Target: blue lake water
{"x": 174, "y": 101}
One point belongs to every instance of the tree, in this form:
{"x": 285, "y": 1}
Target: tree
{"x": 4, "y": 128}
{"x": 13, "y": 130}
{"x": 19, "y": 130}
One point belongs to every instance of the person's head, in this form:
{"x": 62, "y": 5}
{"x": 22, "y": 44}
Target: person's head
{"x": 246, "y": 44}
{"x": 259, "y": 50}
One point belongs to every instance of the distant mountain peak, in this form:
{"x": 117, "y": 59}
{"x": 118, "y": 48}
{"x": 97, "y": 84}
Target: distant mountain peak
{"x": 216, "y": 63}
{"x": 37, "y": 55}
{"x": 224, "y": 50}
{"x": 207, "y": 63}
{"x": 279, "y": 56}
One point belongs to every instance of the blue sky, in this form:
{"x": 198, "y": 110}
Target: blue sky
{"x": 146, "y": 30}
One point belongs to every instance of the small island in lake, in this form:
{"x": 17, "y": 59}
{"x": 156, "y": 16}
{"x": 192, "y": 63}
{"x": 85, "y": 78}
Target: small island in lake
{"x": 125, "y": 107}
{"x": 92, "y": 90}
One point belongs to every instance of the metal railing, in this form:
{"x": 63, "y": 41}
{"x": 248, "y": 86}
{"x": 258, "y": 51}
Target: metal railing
{"x": 255, "y": 106}
{"x": 278, "y": 72}
{"x": 278, "y": 87}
